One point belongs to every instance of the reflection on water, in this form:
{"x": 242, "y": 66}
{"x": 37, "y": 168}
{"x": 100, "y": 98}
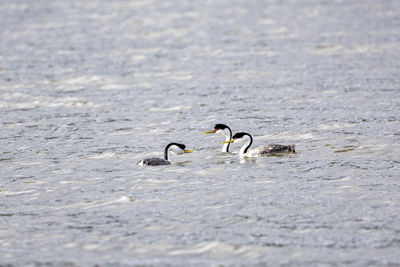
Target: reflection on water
{"x": 87, "y": 89}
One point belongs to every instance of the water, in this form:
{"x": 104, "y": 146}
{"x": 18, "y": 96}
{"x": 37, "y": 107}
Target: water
{"x": 89, "y": 88}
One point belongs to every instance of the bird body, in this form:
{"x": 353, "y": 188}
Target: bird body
{"x": 270, "y": 149}
{"x": 247, "y": 139}
{"x": 175, "y": 148}
{"x": 153, "y": 162}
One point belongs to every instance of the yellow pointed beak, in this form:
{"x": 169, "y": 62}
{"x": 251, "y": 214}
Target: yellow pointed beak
{"x": 188, "y": 151}
{"x": 210, "y": 132}
{"x": 230, "y": 141}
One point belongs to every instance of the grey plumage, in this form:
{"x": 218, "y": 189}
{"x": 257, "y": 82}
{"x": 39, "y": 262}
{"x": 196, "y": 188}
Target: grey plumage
{"x": 153, "y": 162}
{"x": 270, "y": 149}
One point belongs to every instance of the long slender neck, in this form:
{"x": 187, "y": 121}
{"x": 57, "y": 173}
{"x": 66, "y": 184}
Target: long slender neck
{"x": 246, "y": 146}
{"x": 166, "y": 151}
{"x": 225, "y": 148}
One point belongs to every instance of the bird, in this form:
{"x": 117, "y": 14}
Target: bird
{"x": 247, "y": 139}
{"x": 175, "y": 148}
{"x": 222, "y": 129}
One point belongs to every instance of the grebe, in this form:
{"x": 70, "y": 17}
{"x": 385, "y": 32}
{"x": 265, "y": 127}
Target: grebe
{"x": 175, "y": 148}
{"x": 222, "y": 129}
{"x": 259, "y": 151}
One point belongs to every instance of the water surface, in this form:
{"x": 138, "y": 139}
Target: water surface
{"x": 89, "y": 88}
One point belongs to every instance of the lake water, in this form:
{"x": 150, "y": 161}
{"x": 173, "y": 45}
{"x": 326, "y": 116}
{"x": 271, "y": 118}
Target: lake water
{"x": 88, "y": 88}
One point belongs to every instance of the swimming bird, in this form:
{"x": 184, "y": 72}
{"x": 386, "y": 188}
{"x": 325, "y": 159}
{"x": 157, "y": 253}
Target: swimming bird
{"x": 222, "y": 129}
{"x": 247, "y": 139}
{"x": 175, "y": 148}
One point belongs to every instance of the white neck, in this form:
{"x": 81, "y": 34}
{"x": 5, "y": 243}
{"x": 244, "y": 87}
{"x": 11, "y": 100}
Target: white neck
{"x": 226, "y": 145}
{"x": 174, "y": 149}
{"x": 228, "y": 136}
{"x": 248, "y": 141}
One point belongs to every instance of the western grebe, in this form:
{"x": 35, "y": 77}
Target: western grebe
{"x": 259, "y": 151}
{"x": 222, "y": 129}
{"x": 175, "y": 148}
